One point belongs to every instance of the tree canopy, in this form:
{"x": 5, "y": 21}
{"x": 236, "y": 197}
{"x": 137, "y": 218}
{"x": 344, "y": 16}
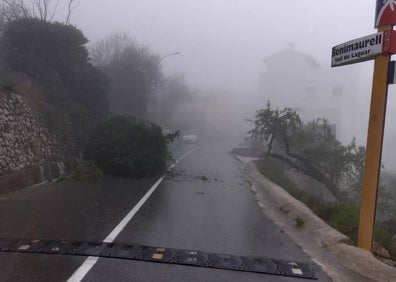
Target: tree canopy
{"x": 54, "y": 56}
{"x": 310, "y": 148}
{"x": 172, "y": 93}
{"x": 134, "y": 71}
{"x": 43, "y": 50}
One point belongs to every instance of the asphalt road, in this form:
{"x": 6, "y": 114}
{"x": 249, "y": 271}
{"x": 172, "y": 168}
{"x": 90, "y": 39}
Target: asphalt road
{"x": 203, "y": 204}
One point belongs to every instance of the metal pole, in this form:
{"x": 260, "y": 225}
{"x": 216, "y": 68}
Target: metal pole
{"x": 373, "y": 149}
{"x": 167, "y": 55}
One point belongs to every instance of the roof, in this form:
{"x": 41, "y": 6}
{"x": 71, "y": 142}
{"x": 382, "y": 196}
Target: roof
{"x": 290, "y": 56}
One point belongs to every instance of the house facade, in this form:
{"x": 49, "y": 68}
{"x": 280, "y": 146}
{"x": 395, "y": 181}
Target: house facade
{"x": 296, "y": 80}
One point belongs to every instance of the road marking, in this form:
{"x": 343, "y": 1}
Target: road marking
{"x": 157, "y": 256}
{"x": 297, "y": 271}
{"x": 89, "y": 262}
{"x": 86, "y": 266}
{"x": 117, "y": 230}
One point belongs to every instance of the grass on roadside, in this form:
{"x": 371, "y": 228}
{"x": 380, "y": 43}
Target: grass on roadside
{"x": 274, "y": 171}
{"x": 343, "y": 216}
{"x": 299, "y": 221}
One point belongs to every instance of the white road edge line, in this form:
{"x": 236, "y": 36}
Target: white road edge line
{"x": 89, "y": 262}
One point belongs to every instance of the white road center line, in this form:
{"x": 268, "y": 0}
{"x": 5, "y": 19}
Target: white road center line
{"x": 84, "y": 268}
{"x": 117, "y": 230}
{"x": 89, "y": 262}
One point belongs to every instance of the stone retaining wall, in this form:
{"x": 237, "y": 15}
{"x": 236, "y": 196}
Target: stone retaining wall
{"x": 29, "y": 153}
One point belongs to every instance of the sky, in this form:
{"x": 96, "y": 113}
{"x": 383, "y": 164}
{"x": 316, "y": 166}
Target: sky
{"x": 223, "y": 42}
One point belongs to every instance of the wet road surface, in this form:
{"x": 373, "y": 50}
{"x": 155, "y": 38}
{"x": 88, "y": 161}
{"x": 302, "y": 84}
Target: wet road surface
{"x": 203, "y": 204}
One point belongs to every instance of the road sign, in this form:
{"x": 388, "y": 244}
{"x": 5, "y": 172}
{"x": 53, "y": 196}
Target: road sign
{"x": 364, "y": 48}
{"x": 385, "y": 13}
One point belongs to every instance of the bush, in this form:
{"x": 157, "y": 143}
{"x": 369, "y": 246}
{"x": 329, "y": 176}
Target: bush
{"x": 322, "y": 208}
{"x": 299, "y": 221}
{"x": 127, "y": 146}
{"x": 343, "y": 216}
{"x": 346, "y": 219}
{"x": 87, "y": 170}
{"x": 386, "y": 238}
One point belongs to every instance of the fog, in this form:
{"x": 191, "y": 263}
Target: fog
{"x": 222, "y": 44}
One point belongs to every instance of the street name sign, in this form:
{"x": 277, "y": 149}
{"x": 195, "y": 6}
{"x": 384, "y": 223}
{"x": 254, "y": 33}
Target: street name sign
{"x": 364, "y": 48}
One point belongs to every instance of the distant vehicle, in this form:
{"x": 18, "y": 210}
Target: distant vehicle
{"x": 190, "y": 138}
{"x": 171, "y": 145}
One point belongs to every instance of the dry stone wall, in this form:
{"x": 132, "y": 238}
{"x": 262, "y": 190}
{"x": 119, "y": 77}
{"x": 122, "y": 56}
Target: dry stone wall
{"x": 29, "y": 154}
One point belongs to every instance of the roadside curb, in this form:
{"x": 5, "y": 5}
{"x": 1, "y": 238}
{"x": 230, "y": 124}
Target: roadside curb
{"x": 327, "y": 247}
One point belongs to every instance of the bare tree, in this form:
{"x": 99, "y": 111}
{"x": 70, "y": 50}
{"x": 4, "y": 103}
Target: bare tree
{"x": 41, "y": 9}
{"x": 71, "y": 7}
{"x": 111, "y": 48}
{"x": 134, "y": 71}
{"x": 13, "y": 9}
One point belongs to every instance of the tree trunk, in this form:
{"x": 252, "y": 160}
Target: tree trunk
{"x": 309, "y": 170}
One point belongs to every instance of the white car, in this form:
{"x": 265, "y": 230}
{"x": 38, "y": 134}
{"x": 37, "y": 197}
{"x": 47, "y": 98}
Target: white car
{"x": 190, "y": 138}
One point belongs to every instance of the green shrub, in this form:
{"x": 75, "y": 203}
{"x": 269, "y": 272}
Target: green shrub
{"x": 87, "y": 170}
{"x": 127, "y": 146}
{"x": 343, "y": 216}
{"x": 386, "y": 238}
{"x": 346, "y": 219}
{"x": 322, "y": 208}
{"x": 299, "y": 221}
{"x": 382, "y": 235}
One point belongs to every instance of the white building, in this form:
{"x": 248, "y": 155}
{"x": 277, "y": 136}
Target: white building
{"x": 296, "y": 80}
